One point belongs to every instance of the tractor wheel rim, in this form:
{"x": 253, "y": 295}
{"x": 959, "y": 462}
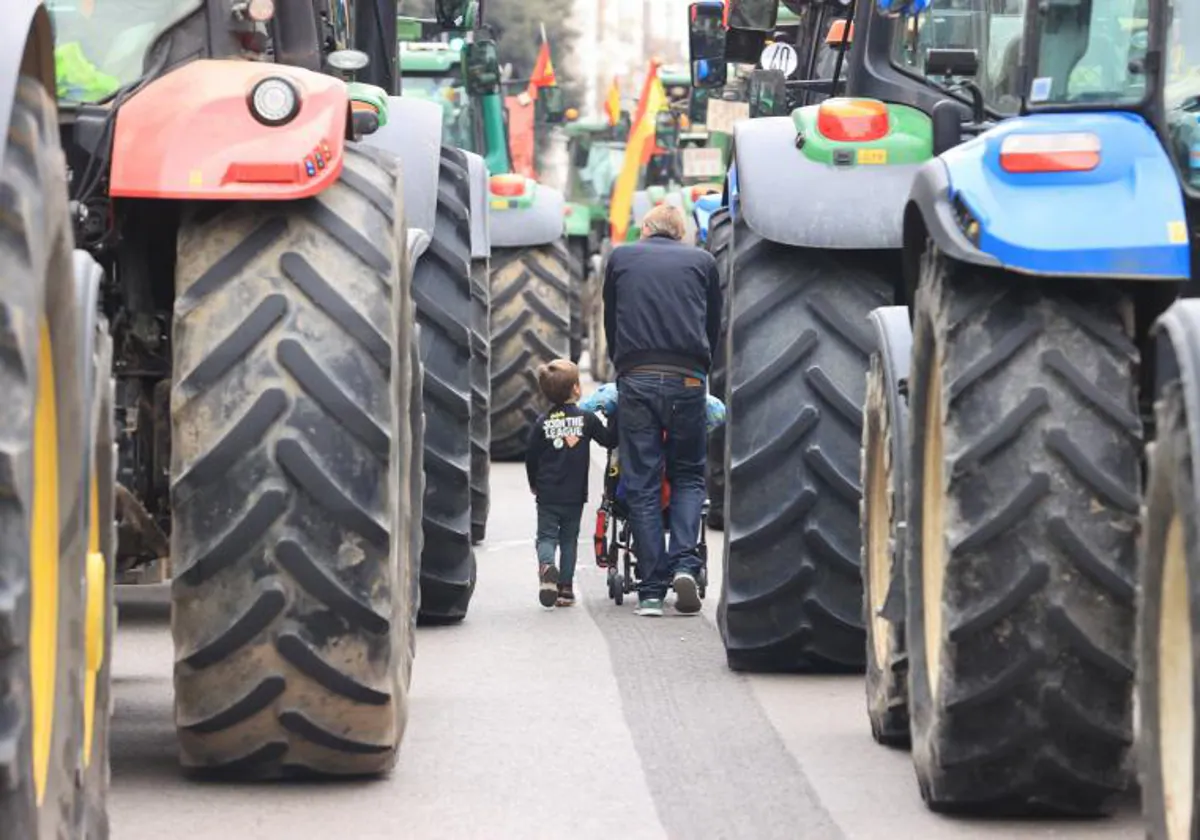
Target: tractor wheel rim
{"x": 878, "y": 544}
{"x": 1176, "y": 700}
{"x": 44, "y": 558}
{"x": 96, "y": 582}
{"x": 933, "y": 519}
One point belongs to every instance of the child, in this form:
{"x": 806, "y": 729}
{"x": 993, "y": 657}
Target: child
{"x": 557, "y": 465}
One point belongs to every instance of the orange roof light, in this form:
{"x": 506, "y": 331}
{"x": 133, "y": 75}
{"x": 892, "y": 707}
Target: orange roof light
{"x": 837, "y": 33}
{"x": 1026, "y": 153}
{"x": 507, "y": 185}
{"x": 852, "y": 120}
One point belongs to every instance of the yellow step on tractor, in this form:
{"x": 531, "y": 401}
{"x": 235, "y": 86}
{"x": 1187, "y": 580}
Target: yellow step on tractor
{"x": 210, "y": 364}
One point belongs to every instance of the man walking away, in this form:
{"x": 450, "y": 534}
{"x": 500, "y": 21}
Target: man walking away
{"x": 662, "y": 318}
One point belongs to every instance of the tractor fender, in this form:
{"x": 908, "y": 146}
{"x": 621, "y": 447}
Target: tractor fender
{"x": 1124, "y": 218}
{"x": 191, "y": 135}
{"x": 414, "y": 134}
{"x": 1177, "y": 358}
{"x": 892, "y": 333}
{"x": 89, "y": 276}
{"x": 539, "y": 223}
{"x": 702, "y": 212}
{"x": 788, "y": 198}
{"x": 26, "y": 47}
{"x": 481, "y": 245}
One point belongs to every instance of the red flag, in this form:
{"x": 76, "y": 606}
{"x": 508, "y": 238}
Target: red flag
{"x": 543, "y": 70}
{"x": 651, "y": 77}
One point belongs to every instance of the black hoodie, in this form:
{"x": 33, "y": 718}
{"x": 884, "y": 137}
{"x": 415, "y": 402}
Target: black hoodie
{"x": 557, "y": 459}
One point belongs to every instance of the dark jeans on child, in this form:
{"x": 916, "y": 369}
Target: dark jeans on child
{"x": 649, "y": 404}
{"x": 558, "y": 527}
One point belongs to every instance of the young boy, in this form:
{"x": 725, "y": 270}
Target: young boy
{"x": 557, "y": 465}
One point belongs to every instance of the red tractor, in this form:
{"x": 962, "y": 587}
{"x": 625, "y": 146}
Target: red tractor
{"x": 206, "y": 337}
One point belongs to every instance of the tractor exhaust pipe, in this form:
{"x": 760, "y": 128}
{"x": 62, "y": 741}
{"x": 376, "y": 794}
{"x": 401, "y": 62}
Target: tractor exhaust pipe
{"x": 297, "y": 34}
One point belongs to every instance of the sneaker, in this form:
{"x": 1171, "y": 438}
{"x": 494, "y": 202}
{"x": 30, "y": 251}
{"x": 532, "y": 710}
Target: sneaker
{"x": 687, "y": 593}
{"x": 650, "y": 607}
{"x": 566, "y": 595}
{"x": 548, "y": 593}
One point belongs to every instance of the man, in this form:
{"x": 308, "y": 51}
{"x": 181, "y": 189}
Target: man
{"x": 662, "y": 318}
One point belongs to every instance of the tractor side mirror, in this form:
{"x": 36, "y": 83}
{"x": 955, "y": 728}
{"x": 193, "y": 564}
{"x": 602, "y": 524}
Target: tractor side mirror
{"x": 481, "y": 68}
{"x": 550, "y": 105}
{"x": 750, "y": 22}
{"x": 666, "y": 130}
{"x": 706, "y": 44}
{"x": 952, "y": 63}
{"x": 452, "y": 14}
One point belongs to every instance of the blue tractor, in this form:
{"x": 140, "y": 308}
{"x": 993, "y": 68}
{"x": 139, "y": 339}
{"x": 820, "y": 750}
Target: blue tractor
{"x": 1008, "y": 405}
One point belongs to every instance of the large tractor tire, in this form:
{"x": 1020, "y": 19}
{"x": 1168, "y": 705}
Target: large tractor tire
{"x": 44, "y": 422}
{"x": 602, "y": 369}
{"x": 578, "y": 265}
{"x": 720, "y": 244}
{"x": 481, "y": 400}
{"x": 289, "y": 480}
{"x": 531, "y": 289}
{"x": 445, "y": 311}
{"x": 885, "y": 483}
{"x": 797, "y": 349}
{"x": 414, "y": 513}
{"x": 1021, "y": 523}
{"x": 1168, "y": 634}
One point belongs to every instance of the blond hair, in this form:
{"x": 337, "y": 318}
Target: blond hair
{"x": 664, "y": 220}
{"x": 557, "y": 380}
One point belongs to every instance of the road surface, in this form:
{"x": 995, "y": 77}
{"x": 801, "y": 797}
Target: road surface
{"x": 588, "y": 723}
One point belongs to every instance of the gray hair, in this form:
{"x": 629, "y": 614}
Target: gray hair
{"x": 664, "y": 220}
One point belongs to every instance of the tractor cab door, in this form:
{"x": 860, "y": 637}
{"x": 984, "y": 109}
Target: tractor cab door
{"x": 1181, "y": 91}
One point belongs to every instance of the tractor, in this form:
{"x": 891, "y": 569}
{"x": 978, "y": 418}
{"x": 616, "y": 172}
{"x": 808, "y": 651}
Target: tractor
{"x": 446, "y": 194}
{"x": 534, "y": 293}
{"x": 222, "y": 381}
{"x": 595, "y": 152}
{"x": 1008, "y": 401}
{"x": 816, "y": 192}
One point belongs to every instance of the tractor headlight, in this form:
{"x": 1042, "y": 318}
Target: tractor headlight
{"x": 274, "y": 101}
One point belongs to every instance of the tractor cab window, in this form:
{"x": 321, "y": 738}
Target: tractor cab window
{"x": 449, "y": 92}
{"x": 1090, "y": 52}
{"x": 990, "y": 27}
{"x": 101, "y": 45}
{"x": 597, "y": 177}
{"x": 1182, "y": 88}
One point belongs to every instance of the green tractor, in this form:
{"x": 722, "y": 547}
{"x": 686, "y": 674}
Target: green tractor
{"x": 533, "y": 285}
{"x": 595, "y": 151}
{"x": 815, "y": 191}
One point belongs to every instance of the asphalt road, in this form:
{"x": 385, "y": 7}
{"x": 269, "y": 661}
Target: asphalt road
{"x": 585, "y": 723}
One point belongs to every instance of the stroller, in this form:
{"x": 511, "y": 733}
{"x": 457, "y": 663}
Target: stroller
{"x": 613, "y": 539}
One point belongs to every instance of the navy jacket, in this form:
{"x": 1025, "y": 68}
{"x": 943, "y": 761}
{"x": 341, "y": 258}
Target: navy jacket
{"x": 662, "y": 305}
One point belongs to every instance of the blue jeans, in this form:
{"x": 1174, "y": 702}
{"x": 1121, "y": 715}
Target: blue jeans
{"x": 649, "y": 404}
{"x": 558, "y": 527}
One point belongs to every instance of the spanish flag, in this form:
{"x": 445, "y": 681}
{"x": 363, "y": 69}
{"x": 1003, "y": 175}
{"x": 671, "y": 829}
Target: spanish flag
{"x": 543, "y": 71}
{"x": 612, "y": 105}
{"x": 637, "y": 153}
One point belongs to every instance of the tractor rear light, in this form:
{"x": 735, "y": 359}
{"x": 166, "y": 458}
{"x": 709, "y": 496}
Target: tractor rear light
{"x": 852, "y": 120}
{"x": 1028, "y": 153}
{"x": 508, "y": 185}
{"x": 274, "y": 101}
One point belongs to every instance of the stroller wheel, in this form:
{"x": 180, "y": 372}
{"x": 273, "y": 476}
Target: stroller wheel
{"x": 702, "y": 582}
{"x": 619, "y": 589}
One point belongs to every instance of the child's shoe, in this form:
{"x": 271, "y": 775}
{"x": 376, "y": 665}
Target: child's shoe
{"x": 548, "y": 593}
{"x": 566, "y": 595}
